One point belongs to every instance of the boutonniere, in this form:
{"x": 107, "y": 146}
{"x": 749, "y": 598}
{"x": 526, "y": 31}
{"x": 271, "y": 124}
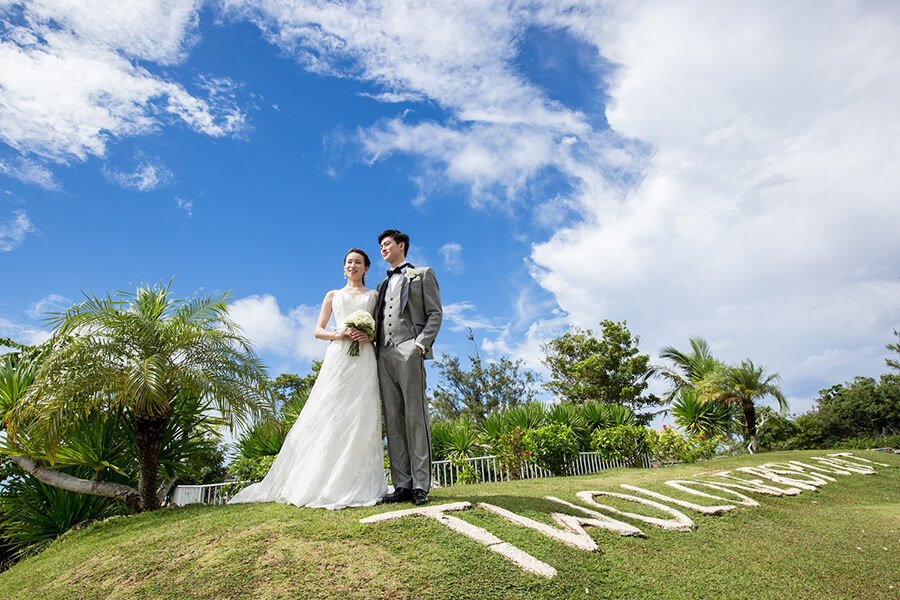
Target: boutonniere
{"x": 411, "y": 273}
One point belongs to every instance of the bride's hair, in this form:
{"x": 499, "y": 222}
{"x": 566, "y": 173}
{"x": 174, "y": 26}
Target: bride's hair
{"x": 365, "y": 256}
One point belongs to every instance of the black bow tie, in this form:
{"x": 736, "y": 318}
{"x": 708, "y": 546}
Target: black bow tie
{"x": 400, "y": 269}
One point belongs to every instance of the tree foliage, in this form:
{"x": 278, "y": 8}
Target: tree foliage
{"x": 484, "y": 388}
{"x": 893, "y": 362}
{"x": 862, "y": 407}
{"x": 610, "y": 369}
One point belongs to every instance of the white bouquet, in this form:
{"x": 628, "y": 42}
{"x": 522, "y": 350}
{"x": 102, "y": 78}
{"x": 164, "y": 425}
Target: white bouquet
{"x": 363, "y": 321}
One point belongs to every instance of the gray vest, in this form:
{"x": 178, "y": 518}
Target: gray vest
{"x": 394, "y": 327}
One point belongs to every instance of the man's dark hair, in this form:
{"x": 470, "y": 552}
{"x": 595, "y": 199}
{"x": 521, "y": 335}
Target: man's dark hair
{"x": 398, "y": 236}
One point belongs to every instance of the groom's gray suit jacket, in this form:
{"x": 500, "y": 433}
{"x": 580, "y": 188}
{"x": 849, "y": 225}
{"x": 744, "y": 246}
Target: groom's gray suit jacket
{"x": 408, "y": 315}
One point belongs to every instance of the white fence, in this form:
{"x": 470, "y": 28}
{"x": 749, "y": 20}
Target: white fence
{"x": 487, "y": 468}
{"x": 443, "y": 474}
{"x": 210, "y": 493}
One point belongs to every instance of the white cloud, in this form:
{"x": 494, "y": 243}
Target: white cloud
{"x": 50, "y": 303}
{"x": 284, "y": 335}
{"x": 14, "y": 230}
{"x": 22, "y": 334}
{"x": 766, "y": 218}
{"x": 457, "y": 317}
{"x": 72, "y": 80}
{"x": 185, "y": 205}
{"x": 146, "y": 177}
{"x": 452, "y": 254}
{"x": 502, "y": 130}
{"x": 29, "y": 171}
{"x": 528, "y": 345}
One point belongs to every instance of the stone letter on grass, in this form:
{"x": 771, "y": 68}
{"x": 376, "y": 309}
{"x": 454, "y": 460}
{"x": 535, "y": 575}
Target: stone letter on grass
{"x": 679, "y": 522}
{"x": 524, "y": 560}
{"x": 572, "y": 531}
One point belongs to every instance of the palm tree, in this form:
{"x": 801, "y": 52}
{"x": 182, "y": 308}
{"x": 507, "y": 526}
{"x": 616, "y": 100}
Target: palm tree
{"x": 689, "y": 367}
{"x": 135, "y": 352}
{"x": 743, "y": 386}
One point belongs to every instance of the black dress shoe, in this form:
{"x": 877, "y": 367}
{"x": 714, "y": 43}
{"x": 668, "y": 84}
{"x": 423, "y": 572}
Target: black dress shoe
{"x": 399, "y": 495}
{"x": 419, "y": 497}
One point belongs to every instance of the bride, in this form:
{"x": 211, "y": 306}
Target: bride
{"x": 332, "y": 457}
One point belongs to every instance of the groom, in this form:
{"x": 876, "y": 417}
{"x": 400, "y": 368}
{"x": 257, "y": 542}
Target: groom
{"x": 408, "y": 317}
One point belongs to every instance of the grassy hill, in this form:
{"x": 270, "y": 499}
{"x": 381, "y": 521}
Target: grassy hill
{"x": 841, "y": 541}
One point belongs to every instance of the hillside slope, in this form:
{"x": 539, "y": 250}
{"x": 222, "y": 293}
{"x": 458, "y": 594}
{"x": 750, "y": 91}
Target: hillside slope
{"x": 840, "y": 541}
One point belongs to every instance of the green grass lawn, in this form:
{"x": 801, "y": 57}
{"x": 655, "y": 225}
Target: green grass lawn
{"x": 841, "y": 541}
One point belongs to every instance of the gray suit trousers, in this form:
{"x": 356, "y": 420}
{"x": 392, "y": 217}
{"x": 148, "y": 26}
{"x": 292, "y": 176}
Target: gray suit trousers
{"x": 401, "y": 375}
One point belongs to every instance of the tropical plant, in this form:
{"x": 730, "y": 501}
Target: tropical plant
{"x": 599, "y": 415}
{"x": 492, "y": 429}
{"x": 35, "y": 513}
{"x": 190, "y": 452}
{"x": 701, "y": 418}
{"x": 462, "y": 440}
{"x": 743, "y": 386}
{"x": 553, "y": 446}
{"x": 134, "y": 352}
{"x": 263, "y": 438}
{"x": 440, "y": 436}
{"x": 526, "y": 416}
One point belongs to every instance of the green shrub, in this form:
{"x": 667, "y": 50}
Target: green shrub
{"x": 466, "y": 473}
{"x": 571, "y": 416}
{"x": 462, "y": 440}
{"x": 704, "y": 447}
{"x": 511, "y": 452}
{"x": 864, "y": 443}
{"x": 623, "y": 442}
{"x": 668, "y": 445}
{"x": 440, "y": 436}
{"x": 553, "y": 446}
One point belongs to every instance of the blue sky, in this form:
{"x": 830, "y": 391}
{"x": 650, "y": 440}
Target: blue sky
{"x": 717, "y": 170}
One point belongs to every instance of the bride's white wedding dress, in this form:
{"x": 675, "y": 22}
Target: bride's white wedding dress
{"x": 332, "y": 457}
